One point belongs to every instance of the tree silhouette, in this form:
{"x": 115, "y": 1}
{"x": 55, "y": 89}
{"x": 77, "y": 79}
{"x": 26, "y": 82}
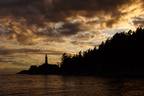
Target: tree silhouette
{"x": 121, "y": 55}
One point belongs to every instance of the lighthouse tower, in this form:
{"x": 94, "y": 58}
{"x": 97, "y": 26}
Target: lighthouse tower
{"x": 46, "y": 59}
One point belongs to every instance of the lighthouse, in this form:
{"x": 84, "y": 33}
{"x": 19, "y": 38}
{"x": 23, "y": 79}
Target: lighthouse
{"x": 46, "y": 59}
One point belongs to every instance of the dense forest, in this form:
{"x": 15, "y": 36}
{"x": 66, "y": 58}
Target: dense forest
{"x": 123, "y": 54}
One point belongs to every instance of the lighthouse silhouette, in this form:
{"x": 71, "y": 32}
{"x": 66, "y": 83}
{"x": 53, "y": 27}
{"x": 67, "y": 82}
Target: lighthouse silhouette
{"x": 46, "y": 59}
{"x": 45, "y": 68}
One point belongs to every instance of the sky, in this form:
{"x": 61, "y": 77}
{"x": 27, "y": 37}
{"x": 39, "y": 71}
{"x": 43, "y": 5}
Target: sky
{"x": 31, "y": 28}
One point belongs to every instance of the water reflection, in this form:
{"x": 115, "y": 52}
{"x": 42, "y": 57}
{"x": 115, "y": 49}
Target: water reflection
{"x": 16, "y": 85}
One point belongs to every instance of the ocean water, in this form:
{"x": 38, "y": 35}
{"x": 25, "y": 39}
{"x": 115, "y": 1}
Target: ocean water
{"x": 53, "y": 85}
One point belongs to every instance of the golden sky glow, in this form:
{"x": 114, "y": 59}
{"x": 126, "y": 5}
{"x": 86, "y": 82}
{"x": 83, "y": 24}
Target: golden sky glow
{"x": 31, "y": 28}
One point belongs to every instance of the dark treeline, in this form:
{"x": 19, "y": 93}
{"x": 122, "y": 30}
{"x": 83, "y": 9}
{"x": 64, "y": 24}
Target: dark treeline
{"x": 123, "y": 54}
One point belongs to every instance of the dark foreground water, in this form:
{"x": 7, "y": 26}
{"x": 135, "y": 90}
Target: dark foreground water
{"x": 25, "y": 85}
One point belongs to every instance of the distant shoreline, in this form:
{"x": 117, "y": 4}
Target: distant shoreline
{"x": 120, "y": 56}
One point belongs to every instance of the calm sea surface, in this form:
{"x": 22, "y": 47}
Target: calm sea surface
{"x": 25, "y": 85}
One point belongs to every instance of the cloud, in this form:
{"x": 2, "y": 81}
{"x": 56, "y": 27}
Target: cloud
{"x": 6, "y": 51}
{"x": 55, "y": 19}
{"x": 69, "y": 28}
{"x": 13, "y": 2}
{"x": 60, "y": 29}
{"x": 38, "y": 12}
{"x": 56, "y": 10}
{"x": 138, "y": 21}
{"x": 90, "y": 5}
